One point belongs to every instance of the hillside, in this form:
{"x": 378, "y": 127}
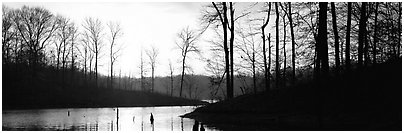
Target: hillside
{"x": 367, "y": 100}
{"x": 48, "y": 90}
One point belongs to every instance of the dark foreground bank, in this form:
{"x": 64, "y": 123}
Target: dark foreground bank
{"x": 368, "y": 100}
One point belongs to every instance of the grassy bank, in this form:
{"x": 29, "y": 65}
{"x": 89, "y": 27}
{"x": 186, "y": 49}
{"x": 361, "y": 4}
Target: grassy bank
{"x": 360, "y": 100}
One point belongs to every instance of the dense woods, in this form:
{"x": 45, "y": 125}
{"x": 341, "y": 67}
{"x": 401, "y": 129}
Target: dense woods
{"x": 322, "y": 40}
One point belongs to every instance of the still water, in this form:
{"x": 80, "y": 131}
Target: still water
{"x": 101, "y": 119}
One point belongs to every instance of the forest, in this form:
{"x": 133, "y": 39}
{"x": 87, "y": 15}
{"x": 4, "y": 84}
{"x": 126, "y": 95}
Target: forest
{"x": 257, "y": 48}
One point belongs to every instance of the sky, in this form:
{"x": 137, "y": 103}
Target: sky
{"x": 143, "y": 25}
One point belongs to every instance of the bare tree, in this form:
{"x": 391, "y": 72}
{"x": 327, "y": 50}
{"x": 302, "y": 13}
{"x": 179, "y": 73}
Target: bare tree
{"x": 84, "y": 52}
{"x": 336, "y": 37}
{"x": 222, "y": 13}
{"x": 141, "y": 70}
{"x": 348, "y": 39}
{"x": 152, "y": 54}
{"x": 292, "y": 35}
{"x": 248, "y": 49}
{"x": 362, "y": 34}
{"x": 266, "y": 67}
{"x": 171, "y": 77}
{"x": 35, "y": 34}
{"x": 73, "y": 38}
{"x": 115, "y": 32}
{"x": 375, "y": 34}
{"x": 277, "y": 70}
{"x": 187, "y": 44}
{"x": 94, "y": 29}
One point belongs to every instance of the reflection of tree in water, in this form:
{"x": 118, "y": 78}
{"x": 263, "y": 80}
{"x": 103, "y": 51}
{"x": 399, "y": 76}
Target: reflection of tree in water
{"x": 196, "y": 126}
{"x": 182, "y": 124}
{"x": 172, "y": 123}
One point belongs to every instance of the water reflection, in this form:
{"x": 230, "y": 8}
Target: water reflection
{"x": 100, "y": 119}
{"x": 196, "y": 126}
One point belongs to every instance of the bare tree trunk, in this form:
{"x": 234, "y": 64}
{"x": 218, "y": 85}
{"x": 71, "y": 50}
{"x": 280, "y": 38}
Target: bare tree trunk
{"x": 171, "y": 78}
{"x": 336, "y": 38}
{"x": 293, "y": 44}
{"x": 375, "y": 35}
{"x": 322, "y": 38}
{"x": 231, "y": 91}
{"x": 269, "y": 61}
{"x": 182, "y": 74}
{"x": 323, "y": 57}
{"x": 226, "y": 49}
{"x": 264, "y": 49}
{"x": 277, "y": 73}
{"x": 366, "y": 48}
{"x": 362, "y": 29}
{"x": 96, "y": 69}
{"x": 284, "y": 50}
{"x": 112, "y": 66}
{"x": 348, "y": 41}
{"x": 141, "y": 72}
{"x": 152, "y": 89}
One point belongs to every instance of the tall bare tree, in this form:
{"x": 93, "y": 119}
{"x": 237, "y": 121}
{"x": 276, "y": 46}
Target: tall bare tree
{"x": 152, "y": 54}
{"x": 231, "y": 91}
{"x": 292, "y": 35}
{"x": 266, "y": 67}
{"x": 348, "y": 39}
{"x": 362, "y": 34}
{"x": 248, "y": 49}
{"x": 171, "y": 77}
{"x": 322, "y": 39}
{"x": 115, "y": 31}
{"x": 375, "y": 34}
{"x": 222, "y": 13}
{"x": 94, "y": 29}
{"x": 336, "y": 37}
{"x": 187, "y": 44}
{"x": 277, "y": 70}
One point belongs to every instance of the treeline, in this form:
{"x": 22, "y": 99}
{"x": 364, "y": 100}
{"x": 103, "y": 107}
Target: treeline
{"x": 35, "y": 39}
{"x": 312, "y": 40}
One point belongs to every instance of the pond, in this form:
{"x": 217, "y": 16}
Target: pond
{"x": 101, "y": 119}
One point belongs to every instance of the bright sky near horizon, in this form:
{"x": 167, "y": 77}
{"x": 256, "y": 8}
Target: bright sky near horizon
{"x": 143, "y": 25}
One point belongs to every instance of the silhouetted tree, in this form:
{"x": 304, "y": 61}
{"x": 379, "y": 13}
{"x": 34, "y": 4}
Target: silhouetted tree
{"x": 223, "y": 19}
{"x": 171, "y": 77}
{"x": 266, "y": 66}
{"x": 142, "y": 78}
{"x": 277, "y": 69}
{"x": 248, "y": 50}
{"x": 187, "y": 44}
{"x": 115, "y": 32}
{"x": 375, "y": 34}
{"x": 348, "y": 39}
{"x": 284, "y": 46}
{"x": 152, "y": 54}
{"x": 85, "y": 53}
{"x": 36, "y": 26}
{"x": 231, "y": 91}
{"x": 94, "y": 29}
{"x": 362, "y": 34}
{"x": 322, "y": 39}
{"x": 336, "y": 37}
{"x": 293, "y": 44}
